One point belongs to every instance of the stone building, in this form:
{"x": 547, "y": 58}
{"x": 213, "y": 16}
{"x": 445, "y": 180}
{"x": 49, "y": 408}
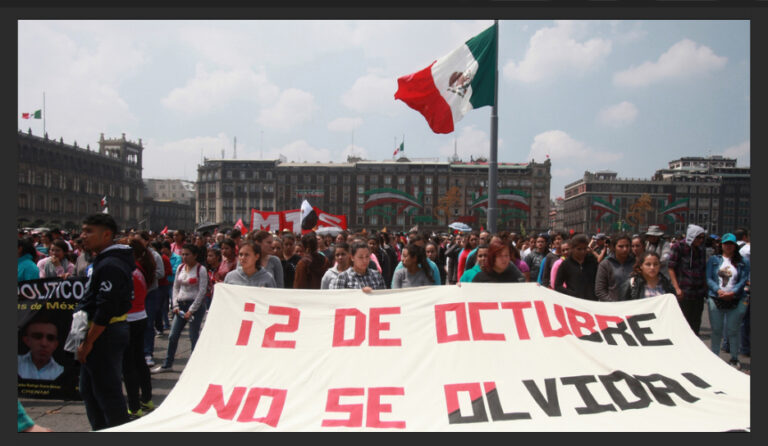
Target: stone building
{"x": 376, "y": 194}
{"x": 179, "y": 191}
{"x": 711, "y": 192}
{"x": 60, "y": 184}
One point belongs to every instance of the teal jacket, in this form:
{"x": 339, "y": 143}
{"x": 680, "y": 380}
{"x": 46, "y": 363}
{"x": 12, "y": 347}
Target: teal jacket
{"x": 27, "y": 269}
{"x": 470, "y": 273}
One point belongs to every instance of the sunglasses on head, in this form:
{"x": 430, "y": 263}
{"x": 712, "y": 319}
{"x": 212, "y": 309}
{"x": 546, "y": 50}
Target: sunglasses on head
{"x": 37, "y": 336}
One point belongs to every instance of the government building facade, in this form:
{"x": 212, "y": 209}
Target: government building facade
{"x": 60, "y": 184}
{"x": 396, "y": 195}
{"x": 711, "y": 192}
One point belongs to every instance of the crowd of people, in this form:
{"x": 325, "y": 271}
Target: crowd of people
{"x": 173, "y": 276}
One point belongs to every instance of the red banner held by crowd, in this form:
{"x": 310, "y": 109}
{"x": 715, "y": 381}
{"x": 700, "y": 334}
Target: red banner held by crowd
{"x": 291, "y": 220}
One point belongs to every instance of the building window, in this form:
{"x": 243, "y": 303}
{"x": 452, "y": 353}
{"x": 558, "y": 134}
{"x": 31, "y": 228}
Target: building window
{"x": 360, "y": 199}
{"x": 428, "y": 180}
{"x": 374, "y": 219}
{"x": 400, "y": 180}
{"x": 360, "y": 189}
{"x": 387, "y": 179}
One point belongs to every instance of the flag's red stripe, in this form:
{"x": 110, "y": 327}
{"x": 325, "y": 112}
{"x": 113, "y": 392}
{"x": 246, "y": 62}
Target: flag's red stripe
{"x": 418, "y": 90}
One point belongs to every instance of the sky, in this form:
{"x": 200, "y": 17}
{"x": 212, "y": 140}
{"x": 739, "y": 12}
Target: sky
{"x": 625, "y": 96}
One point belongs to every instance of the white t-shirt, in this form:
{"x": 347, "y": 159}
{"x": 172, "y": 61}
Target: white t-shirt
{"x": 728, "y": 275}
{"x": 744, "y": 251}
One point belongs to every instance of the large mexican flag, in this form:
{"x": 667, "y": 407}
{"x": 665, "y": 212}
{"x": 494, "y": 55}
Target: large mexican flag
{"x": 454, "y": 84}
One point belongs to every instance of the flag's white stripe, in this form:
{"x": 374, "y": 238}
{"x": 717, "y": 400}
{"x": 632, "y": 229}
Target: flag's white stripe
{"x": 459, "y": 60}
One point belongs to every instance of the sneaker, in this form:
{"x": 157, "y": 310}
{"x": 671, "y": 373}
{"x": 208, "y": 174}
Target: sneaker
{"x": 160, "y": 369}
{"x": 735, "y": 363}
{"x": 150, "y": 362}
{"x": 149, "y": 406}
{"x": 135, "y": 415}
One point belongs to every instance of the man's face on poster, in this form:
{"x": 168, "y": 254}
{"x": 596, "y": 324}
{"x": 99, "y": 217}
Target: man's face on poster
{"x": 42, "y": 340}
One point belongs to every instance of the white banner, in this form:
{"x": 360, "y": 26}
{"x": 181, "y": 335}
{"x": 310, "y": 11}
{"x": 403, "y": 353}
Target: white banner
{"x": 480, "y": 357}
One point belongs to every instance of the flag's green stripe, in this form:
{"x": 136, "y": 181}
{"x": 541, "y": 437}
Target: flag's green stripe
{"x": 483, "y": 49}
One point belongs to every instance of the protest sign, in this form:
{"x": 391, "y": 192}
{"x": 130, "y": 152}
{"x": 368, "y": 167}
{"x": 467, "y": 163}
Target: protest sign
{"x": 44, "y": 316}
{"x": 291, "y": 220}
{"x": 480, "y": 357}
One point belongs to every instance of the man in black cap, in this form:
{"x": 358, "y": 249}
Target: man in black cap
{"x": 654, "y": 241}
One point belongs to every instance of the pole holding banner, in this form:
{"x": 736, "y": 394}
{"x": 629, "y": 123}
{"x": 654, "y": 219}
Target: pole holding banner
{"x": 493, "y": 165}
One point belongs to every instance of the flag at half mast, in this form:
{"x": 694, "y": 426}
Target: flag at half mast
{"x": 454, "y": 84}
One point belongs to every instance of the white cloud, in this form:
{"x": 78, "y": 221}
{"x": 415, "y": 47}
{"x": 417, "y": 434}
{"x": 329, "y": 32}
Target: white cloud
{"x": 618, "y": 115}
{"x": 345, "y": 125}
{"x": 741, "y": 152}
{"x": 81, "y": 81}
{"x": 299, "y": 151}
{"x": 565, "y": 172}
{"x": 353, "y": 150}
{"x": 183, "y": 155}
{"x": 372, "y": 94}
{"x": 208, "y": 92}
{"x": 683, "y": 60}
{"x": 556, "y": 50}
{"x": 562, "y": 147}
{"x": 293, "y": 108}
{"x": 471, "y": 142}
{"x": 621, "y": 33}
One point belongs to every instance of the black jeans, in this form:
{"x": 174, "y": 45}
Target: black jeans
{"x": 135, "y": 371}
{"x": 692, "y": 309}
{"x": 101, "y": 378}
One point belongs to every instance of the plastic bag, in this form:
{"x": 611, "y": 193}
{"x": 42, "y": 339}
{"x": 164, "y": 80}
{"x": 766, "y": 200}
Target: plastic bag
{"x": 78, "y": 331}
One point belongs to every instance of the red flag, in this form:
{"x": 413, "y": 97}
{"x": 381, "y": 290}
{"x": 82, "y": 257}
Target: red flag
{"x": 165, "y": 230}
{"x": 240, "y": 224}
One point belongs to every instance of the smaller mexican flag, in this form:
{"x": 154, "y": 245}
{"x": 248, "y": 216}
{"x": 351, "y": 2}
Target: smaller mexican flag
{"x": 36, "y": 115}
{"x": 456, "y": 83}
{"x": 400, "y": 149}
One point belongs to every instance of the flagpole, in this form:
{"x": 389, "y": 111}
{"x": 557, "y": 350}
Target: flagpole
{"x": 44, "y": 113}
{"x": 493, "y": 164}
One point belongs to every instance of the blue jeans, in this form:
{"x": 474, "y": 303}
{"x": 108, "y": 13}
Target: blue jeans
{"x": 178, "y": 324}
{"x": 151, "y": 306}
{"x": 745, "y": 344}
{"x": 161, "y": 318}
{"x": 728, "y": 320}
{"x": 101, "y": 377}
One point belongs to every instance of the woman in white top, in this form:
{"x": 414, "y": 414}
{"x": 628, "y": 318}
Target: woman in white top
{"x": 343, "y": 262}
{"x": 56, "y": 264}
{"x": 189, "y": 289}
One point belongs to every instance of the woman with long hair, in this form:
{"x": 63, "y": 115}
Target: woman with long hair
{"x": 249, "y": 271}
{"x": 188, "y": 302}
{"x": 56, "y": 264}
{"x": 343, "y": 262}
{"x": 138, "y": 384}
{"x": 269, "y": 262}
{"x": 312, "y": 266}
{"x": 415, "y": 271}
{"x": 614, "y": 269}
{"x": 498, "y": 266}
{"x": 727, "y": 275}
{"x": 646, "y": 280}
